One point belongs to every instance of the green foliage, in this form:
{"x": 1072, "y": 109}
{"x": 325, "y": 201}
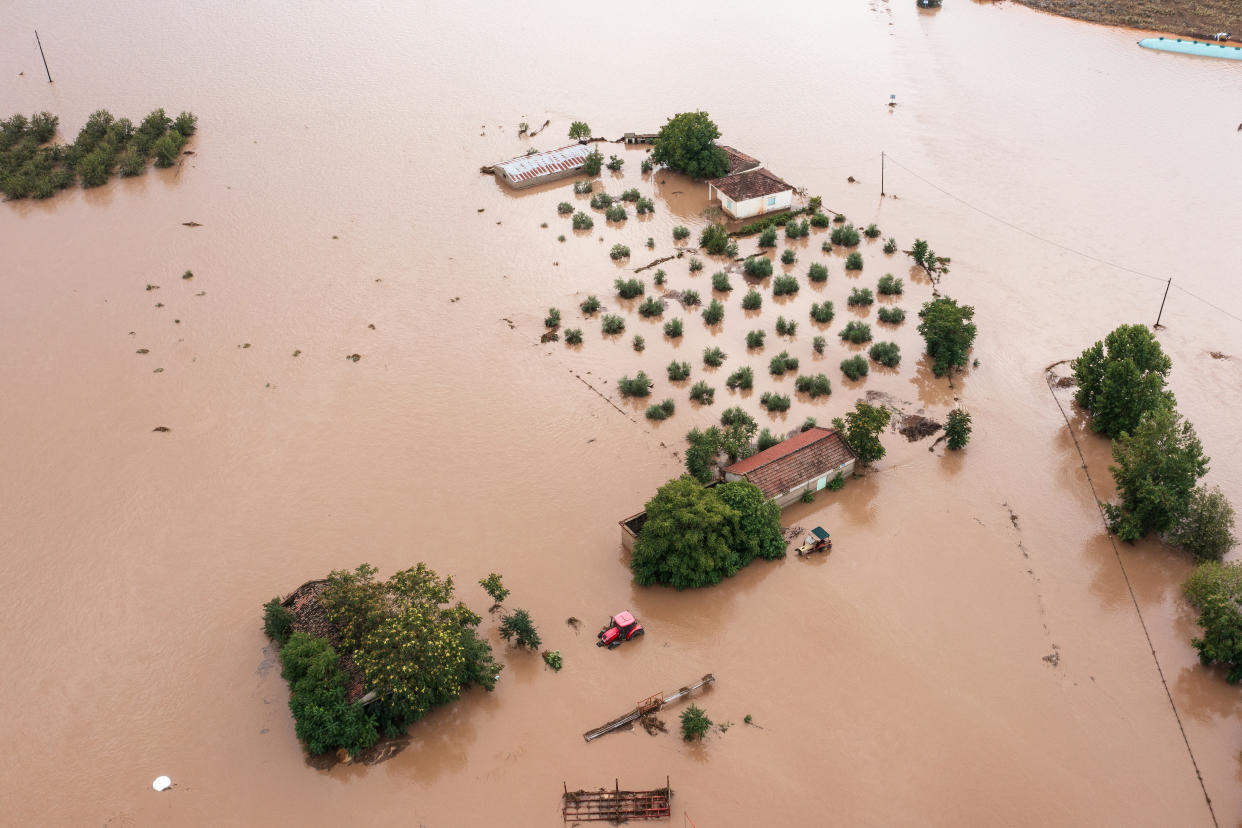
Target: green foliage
{"x": 277, "y": 622}
{"x": 814, "y": 204}
{"x": 855, "y": 367}
{"x": 758, "y": 267}
{"x": 1221, "y": 642}
{"x": 861, "y": 430}
{"x": 720, "y": 282}
{"x": 690, "y": 298}
{"x": 886, "y": 353}
{"x": 600, "y": 201}
{"x": 678, "y": 371}
{"x": 619, "y": 251}
{"x": 680, "y": 232}
{"x": 713, "y": 313}
{"x": 553, "y": 318}
{"x": 713, "y": 357}
{"x": 822, "y": 312}
{"x": 594, "y": 162}
{"x": 739, "y": 427}
{"x": 820, "y": 220}
{"x": 845, "y": 235}
{"x": 784, "y": 286}
{"x": 659, "y": 277}
{"x": 817, "y": 273}
{"x": 687, "y": 142}
{"x": 1122, "y": 378}
{"x": 889, "y": 285}
{"x": 731, "y": 249}
{"x": 673, "y": 329}
{"x": 630, "y": 194}
{"x": 167, "y": 148}
{"x": 754, "y": 339}
{"x": 583, "y": 186}
{"x": 639, "y": 343}
{"x": 781, "y": 363}
{"x": 701, "y": 453}
{"x": 494, "y": 586}
{"x": 742, "y": 379}
{"x": 808, "y": 496}
{"x": 694, "y": 723}
{"x": 815, "y": 386}
{"x": 1214, "y": 580}
{"x": 1157, "y": 467}
{"x": 642, "y": 207}
{"x": 768, "y": 237}
{"x": 836, "y": 483}
{"x": 579, "y": 130}
{"x": 614, "y": 163}
{"x": 553, "y": 659}
{"x": 517, "y": 628}
{"x": 612, "y": 324}
{"x": 660, "y": 411}
{"x": 957, "y": 429}
{"x": 860, "y": 296}
{"x": 818, "y": 344}
{"x": 926, "y": 257}
{"x": 687, "y": 538}
{"x": 650, "y": 243}
{"x": 629, "y": 288}
{"x": 856, "y": 332}
{"x": 890, "y": 245}
{"x": 767, "y": 439}
{"x": 758, "y": 532}
{"x": 590, "y": 305}
{"x": 582, "y": 221}
{"x": 892, "y": 316}
{"x": 753, "y": 300}
{"x": 797, "y": 229}
{"x": 702, "y": 393}
{"x": 947, "y": 332}
{"x": 651, "y": 306}
{"x": 323, "y": 719}
{"x": 1205, "y": 528}
{"x": 826, "y": 246}
{"x": 564, "y": 208}
{"x": 639, "y": 386}
{"x": 714, "y": 239}
{"x": 616, "y": 213}
{"x": 774, "y": 402}
{"x": 695, "y": 265}
{"x": 784, "y": 327}
{"x": 646, "y": 166}
{"x": 854, "y": 261}
{"x": 872, "y": 232}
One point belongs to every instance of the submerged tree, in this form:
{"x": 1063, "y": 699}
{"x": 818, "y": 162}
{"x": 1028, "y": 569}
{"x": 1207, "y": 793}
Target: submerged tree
{"x": 1122, "y": 378}
{"x": 948, "y": 333}
{"x": 861, "y": 430}
{"x": 579, "y": 130}
{"x": 957, "y": 429}
{"x": 687, "y": 142}
{"x": 687, "y": 539}
{"x": 1206, "y": 528}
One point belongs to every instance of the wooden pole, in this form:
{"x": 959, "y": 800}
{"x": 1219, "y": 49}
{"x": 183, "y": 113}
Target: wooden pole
{"x": 45, "y": 69}
{"x": 1166, "y": 296}
{"x": 881, "y": 174}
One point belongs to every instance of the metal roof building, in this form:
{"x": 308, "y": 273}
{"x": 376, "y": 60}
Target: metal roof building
{"x": 542, "y": 167}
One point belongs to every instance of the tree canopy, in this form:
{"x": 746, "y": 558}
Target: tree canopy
{"x": 579, "y": 130}
{"x": 687, "y": 142}
{"x": 1205, "y": 529}
{"x": 861, "y": 430}
{"x": 1157, "y": 467}
{"x": 1122, "y": 378}
{"x": 948, "y": 333}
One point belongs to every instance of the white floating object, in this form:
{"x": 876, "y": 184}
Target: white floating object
{"x": 161, "y": 783}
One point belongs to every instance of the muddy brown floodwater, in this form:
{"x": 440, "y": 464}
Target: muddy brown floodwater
{"x": 902, "y": 680}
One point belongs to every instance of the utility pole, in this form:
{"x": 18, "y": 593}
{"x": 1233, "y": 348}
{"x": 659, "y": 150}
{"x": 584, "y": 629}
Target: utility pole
{"x": 45, "y": 69}
{"x": 881, "y": 173}
{"x": 1166, "y": 296}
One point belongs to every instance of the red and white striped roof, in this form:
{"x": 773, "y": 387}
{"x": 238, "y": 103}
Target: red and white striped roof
{"x": 529, "y": 167}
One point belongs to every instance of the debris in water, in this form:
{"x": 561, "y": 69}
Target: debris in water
{"x": 189, "y": 274}
{"x": 161, "y": 783}
{"x": 550, "y": 336}
{"x": 1054, "y": 657}
{"x": 852, "y": 180}
{"x": 142, "y": 351}
{"x": 481, "y": 209}
{"x": 190, "y": 224}
{"x": 153, "y": 287}
{"x": 372, "y": 327}
{"x": 297, "y": 352}
{"x": 573, "y": 622}
{"x": 354, "y": 357}
{"x": 244, "y": 345}
{"x": 158, "y": 371}
{"x": 916, "y": 427}
{"x": 508, "y": 320}
{"x": 653, "y": 724}
{"x": 201, "y": 293}
{"x": 161, "y": 428}
{"x": 336, "y": 237}
{"x": 1218, "y": 355}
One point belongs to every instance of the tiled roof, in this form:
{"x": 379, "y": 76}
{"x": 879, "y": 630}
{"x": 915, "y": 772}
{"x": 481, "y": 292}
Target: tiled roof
{"x": 739, "y": 161}
{"x": 751, "y": 184}
{"x": 528, "y": 167}
{"x": 811, "y": 454}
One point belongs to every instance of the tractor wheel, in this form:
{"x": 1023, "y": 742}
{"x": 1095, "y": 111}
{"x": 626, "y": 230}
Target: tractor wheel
{"x": 614, "y": 645}
{"x": 637, "y": 633}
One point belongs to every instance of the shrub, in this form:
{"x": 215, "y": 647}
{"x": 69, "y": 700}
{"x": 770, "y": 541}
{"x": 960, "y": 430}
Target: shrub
{"x": 695, "y": 265}
{"x": 826, "y": 246}
{"x": 323, "y": 719}
{"x": 573, "y": 336}
{"x": 713, "y": 357}
{"x": 785, "y": 327}
{"x": 948, "y": 334}
{"x": 743, "y": 379}
{"x": 590, "y": 305}
{"x": 702, "y": 393}
{"x": 630, "y": 194}
{"x": 494, "y": 586}
{"x": 650, "y": 243}
{"x": 619, "y": 251}
{"x": 856, "y": 332}
{"x": 815, "y": 386}
{"x": 860, "y": 296}
{"x": 639, "y": 343}
{"x": 784, "y": 286}
{"x": 797, "y": 229}
{"x": 820, "y": 220}
{"x": 594, "y": 161}
{"x": 660, "y": 411}
{"x": 886, "y": 353}
{"x": 714, "y": 239}
{"x": 892, "y": 316}
{"x": 713, "y": 313}
{"x": 809, "y": 423}
{"x": 680, "y": 233}
{"x": 96, "y": 167}
{"x": 639, "y": 386}
{"x": 822, "y": 312}
{"x": 651, "y": 306}
{"x": 167, "y": 147}
{"x": 601, "y": 201}
{"x": 889, "y": 285}
{"x": 1205, "y": 528}
{"x": 277, "y": 622}
{"x": 520, "y": 630}
{"x": 673, "y": 328}
{"x": 781, "y": 363}
{"x": 582, "y": 221}
{"x": 957, "y": 429}
{"x": 754, "y": 339}
{"x": 861, "y": 430}
{"x": 731, "y": 249}
{"x": 890, "y": 246}
{"x": 553, "y": 318}
{"x": 615, "y": 164}
{"x": 720, "y": 282}
{"x": 612, "y": 324}
{"x": 553, "y": 657}
{"x": 836, "y": 483}
{"x": 818, "y": 343}
{"x": 131, "y": 163}
{"x": 758, "y": 267}
{"x": 808, "y": 496}
{"x": 846, "y": 236}
{"x": 1121, "y": 379}
{"x": 678, "y": 371}
{"x": 694, "y": 723}
{"x": 629, "y": 288}
{"x": 753, "y": 300}
{"x": 788, "y": 256}
{"x": 854, "y": 261}
{"x": 774, "y": 402}
{"x": 564, "y": 208}
{"x": 817, "y": 273}
{"x": 642, "y": 207}
{"x": 855, "y": 367}
{"x": 616, "y": 213}
{"x": 659, "y": 277}
{"x": 872, "y": 232}
{"x": 839, "y": 218}
{"x": 766, "y": 440}
{"x": 582, "y": 186}
{"x": 768, "y": 237}
{"x": 646, "y": 165}
{"x": 579, "y": 130}
{"x": 691, "y": 298}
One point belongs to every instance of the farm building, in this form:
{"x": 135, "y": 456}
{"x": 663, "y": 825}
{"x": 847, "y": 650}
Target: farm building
{"x": 750, "y": 193}
{"x": 803, "y": 463}
{"x": 542, "y": 167}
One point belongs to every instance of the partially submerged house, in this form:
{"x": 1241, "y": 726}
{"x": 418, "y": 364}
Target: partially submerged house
{"x": 542, "y": 167}
{"x": 803, "y": 463}
{"x": 752, "y": 192}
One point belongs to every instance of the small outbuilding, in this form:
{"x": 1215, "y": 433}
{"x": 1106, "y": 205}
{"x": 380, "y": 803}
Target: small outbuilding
{"x": 751, "y": 193}
{"x": 542, "y": 167}
{"x": 803, "y": 463}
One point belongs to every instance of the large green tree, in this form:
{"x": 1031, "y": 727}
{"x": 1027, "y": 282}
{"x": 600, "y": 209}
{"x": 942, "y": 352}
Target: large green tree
{"x": 687, "y": 540}
{"x": 1215, "y": 590}
{"x": 1122, "y": 378}
{"x": 861, "y": 430}
{"x": 1205, "y": 528}
{"x": 947, "y": 332}
{"x": 687, "y": 142}
{"x": 1157, "y": 467}
{"x": 758, "y": 532}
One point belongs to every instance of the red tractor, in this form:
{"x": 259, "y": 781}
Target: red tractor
{"x": 622, "y": 627}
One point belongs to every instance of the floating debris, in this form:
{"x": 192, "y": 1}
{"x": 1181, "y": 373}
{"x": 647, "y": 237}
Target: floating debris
{"x": 152, "y": 287}
{"x": 297, "y": 352}
{"x": 161, "y": 783}
{"x": 616, "y": 806}
{"x": 161, "y": 428}
{"x": 354, "y": 357}
{"x": 189, "y": 274}
{"x": 190, "y": 224}
{"x": 142, "y": 351}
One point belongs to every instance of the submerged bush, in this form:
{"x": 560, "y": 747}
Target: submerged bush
{"x": 713, "y": 313}
{"x": 892, "y": 316}
{"x": 582, "y": 186}
{"x": 651, "y": 306}
{"x": 680, "y": 233}
{"x": 518, "y": 628}
{"x": 818, "y": 344}
{"x": 781, "y": 363}
{"x": 660, "y": 411}
{"x": 673, "y": 329}
{"x": 860, "y": 296}
{"x": 856, "y": 332}
{"x": 817, "y": 273}
{"x": 646, "y": 165}
{"x": 785, "y": 327}
{"x": 594, "y": 161}
{"x": 678, "y": 371}
{"x": 957, "y": 429}
{"x": 742, "y": 379}
{"x": 753, "y": 300}
{"x": 820, "y": 220}
{"x": 846, "y": 236}
{"x": 619, "y": 251}
{"x": 659, "y": 277}
{"x": 639, "y": 343}
{"x": 590, "y": 305}
{"x": 855, "y": 367}
{"x": 890, "y": 246}
{"x": 601, "y": 201}
{"x": 615, "y": 163}
{"x": 822, "y": 312}
{"x": 713, "y": 357}
{"x": 695, "y": 265}
{"x": 616, "y": 213}
{"x": 754, "y": 339}
{"x": 758, "y": 267}
{"x": 582, "y": 221}
{"x": 854, "y": 261}
{"x": 277, "y": 622}
{"x": 774, "y": 402}
{"x": 784, "y": 286}
{"x": 690, "y": 298}
{"x": 886, "y": 353}
{"x": 816, "y": 386}
{"x": 639, "y": 386}
{"x": 612, "y": 324}
{"x": 720, "y": 282}
{"x": 694, "y": 723}
{"x": 714, "y": 239}
{"x": 889, "y": 285}
{"x": 797, "y": 229}
{"x": 644, "y": 206}
{"x": 629, "y": 288}
{"x": 323, "y": 719}
{"x": 564, "y": 208}
{"x": 768, "y": 237}
{"x": 573, "y": 336}
{"x": 630, "y": 194}
{"x": 872, "y": 232}
{"x": 553, "y": 318}
{"x": 702, "y": 393}
{"x": 767, "y": 439}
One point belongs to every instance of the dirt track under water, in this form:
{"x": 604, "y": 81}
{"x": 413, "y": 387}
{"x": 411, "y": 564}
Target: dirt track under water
{"x": 901, "y": 680}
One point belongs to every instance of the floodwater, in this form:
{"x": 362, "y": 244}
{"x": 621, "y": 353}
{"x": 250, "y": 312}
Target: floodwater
{"x": 900, "y": 681}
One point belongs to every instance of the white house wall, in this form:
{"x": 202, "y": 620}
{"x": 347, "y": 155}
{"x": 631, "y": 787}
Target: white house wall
{"x": 756, "y": 206}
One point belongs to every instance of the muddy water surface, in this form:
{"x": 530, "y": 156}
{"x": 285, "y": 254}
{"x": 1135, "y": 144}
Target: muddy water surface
{"x": 900, "y": 681}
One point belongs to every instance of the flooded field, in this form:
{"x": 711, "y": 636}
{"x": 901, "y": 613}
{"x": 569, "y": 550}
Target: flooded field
{"x": 902, "y": 680}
